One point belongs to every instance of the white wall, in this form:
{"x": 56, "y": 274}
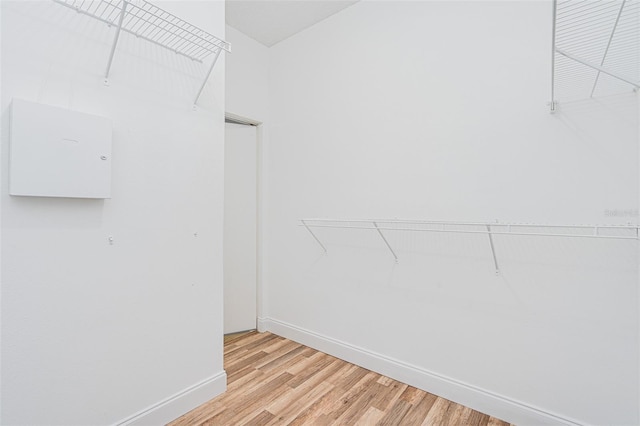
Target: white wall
{"x": 437, "y": 110}
{"x": 93, "y": 333}
{"x": 247, "y": 77}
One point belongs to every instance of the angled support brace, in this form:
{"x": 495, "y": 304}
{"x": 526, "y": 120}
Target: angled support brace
{"x": 599, "y": 68}
{"x": 606, "y": 51}
{"x": 213, "y": 64}
{"x": 115, "y": 41}
{"x": 385, "y": 241}
{"x": 314, "y": 235}
{"x": 493, "y": 250}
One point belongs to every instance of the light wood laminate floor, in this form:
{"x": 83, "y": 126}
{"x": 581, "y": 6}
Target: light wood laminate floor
{"x": 275, "y": 381}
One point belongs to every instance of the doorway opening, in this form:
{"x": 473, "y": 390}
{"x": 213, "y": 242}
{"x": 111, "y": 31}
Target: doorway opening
{"x": 241, "y": 251}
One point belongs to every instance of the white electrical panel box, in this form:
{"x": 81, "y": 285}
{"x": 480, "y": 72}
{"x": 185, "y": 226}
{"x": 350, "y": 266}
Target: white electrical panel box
{"x": 54, "y": 152}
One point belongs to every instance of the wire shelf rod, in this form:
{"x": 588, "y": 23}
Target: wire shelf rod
{"x": 489, "y": 229}
{"x": 467, "y": 223}
{"x": 603, "y": 16}
{"x": 172, "y": 20}
{"x": 167, "y": 31}
{"x": 595, "y": 48}
{"x": 588, "y": 38}
{"x": 586, "y": 10}
{"x": 155, "y": 25}
{"x": 582, "y": 8}
{"x": 571, "y": 5}
{"x": 582, "y": 12}
{"x": 599, "y": 68}
{"x": 600, "y": 25}
{"x": 602, "y": 37}
{"x": 591, "y": 32}
{"x": 461, "y": 231}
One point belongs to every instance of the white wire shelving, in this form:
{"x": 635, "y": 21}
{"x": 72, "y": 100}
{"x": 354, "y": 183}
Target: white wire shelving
{"x": 153, "y": 24}
{"x": 611, "y": 232}
{"x": 595, "y": 48}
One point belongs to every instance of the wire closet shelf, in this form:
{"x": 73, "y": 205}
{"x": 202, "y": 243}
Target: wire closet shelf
{"x": 153, "y": 24}
{"x": 611, "y": 232}
{"x": 595, "y": 49}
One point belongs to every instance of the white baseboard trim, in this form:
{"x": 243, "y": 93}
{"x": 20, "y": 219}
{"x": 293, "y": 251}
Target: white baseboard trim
{"x": 262, "y": 325}
{"x": 479, "y": 399}
{"x": 178, "y": 404}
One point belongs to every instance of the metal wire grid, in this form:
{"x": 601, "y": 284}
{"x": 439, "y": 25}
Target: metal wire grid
{"x": 383, "y": 227}
{"x": 151, "y": 23}
{"x": 596, "y": 48}
{"x": 622, "y": 232}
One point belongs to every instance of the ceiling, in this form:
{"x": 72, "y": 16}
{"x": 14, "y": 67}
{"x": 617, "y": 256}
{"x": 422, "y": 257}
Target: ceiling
{"x": 271, "y": 21}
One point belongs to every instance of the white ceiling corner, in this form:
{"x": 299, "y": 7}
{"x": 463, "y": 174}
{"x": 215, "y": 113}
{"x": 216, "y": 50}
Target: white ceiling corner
{"x": 271, "y": 21}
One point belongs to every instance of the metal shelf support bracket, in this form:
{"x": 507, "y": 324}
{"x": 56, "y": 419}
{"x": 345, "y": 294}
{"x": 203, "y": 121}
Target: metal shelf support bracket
{"x": 385, "y": 241}
{"x": 493, "y": 250}
{"x": 314, "y": 235}
{"x": 204, "y": 82}
{"x": 123, "y": 11}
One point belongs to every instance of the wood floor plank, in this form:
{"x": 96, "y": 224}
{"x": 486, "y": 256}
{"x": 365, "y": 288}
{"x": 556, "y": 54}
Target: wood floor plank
{"x": 275, "y": 381}
{"x": 302, "y": 400}
{"x": 496, "y": 422}
{"x": 316, "y": 410}
{"x": 361, "y": 404}
{"x": 420, "y": 409}
{"x": 456, "y": 414}
{"x": 395, "y": 415}
{"x": 341, "y": 405}
{"x": 386, "y": 399}
{"x": 257, "y": 403}
{"x": 301, "y": 389}
{"x": 312, "y": 370}
{"x": 237, "y": 408}
{"x": 438, "y": 413}
{"x": 247, "y": 343}
{"x": 283, "y": 359}
{"x": 262, "y": 418}
{"x": 356, "y": 375}
{"x": 384, "y": 380}
{"x": 370, "y": 417}
{"x": 244, "y": 362}
{"x": 412, "y": 395}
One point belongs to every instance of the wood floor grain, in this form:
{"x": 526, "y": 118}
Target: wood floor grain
{"x": 275, "y": 381}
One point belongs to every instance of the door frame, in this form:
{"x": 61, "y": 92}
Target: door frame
{"x": 238, "y": 119}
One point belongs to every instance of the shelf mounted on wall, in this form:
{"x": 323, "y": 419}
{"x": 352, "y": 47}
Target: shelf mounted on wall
{"x": 591, "y": 40}
{"x": 153, "y": 24}
{"x": 612, "y": 232}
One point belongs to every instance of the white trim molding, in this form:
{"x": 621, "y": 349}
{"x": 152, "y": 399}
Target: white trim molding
{"x": 471, "y": 396}
{"x": 180, "y": 403}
